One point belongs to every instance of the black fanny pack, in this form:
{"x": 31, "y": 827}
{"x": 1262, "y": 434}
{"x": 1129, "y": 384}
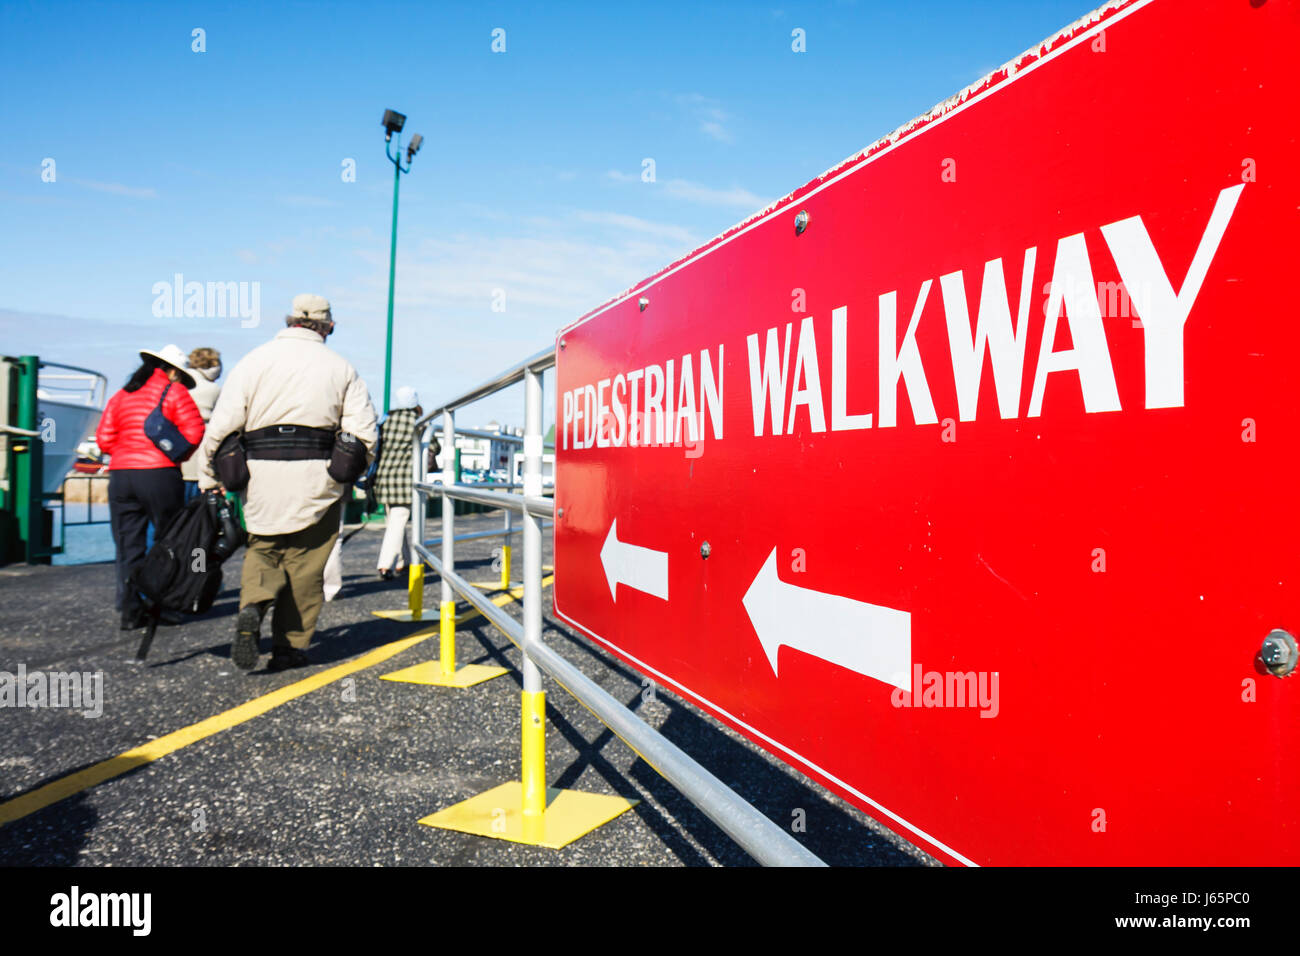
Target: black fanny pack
{"x": 162, "y": 431}
{"x": 289, "y": 443}
{"x": 344, "y": 451}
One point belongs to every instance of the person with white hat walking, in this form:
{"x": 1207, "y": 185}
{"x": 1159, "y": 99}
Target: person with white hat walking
{"x": 148, "y": 428}
{"x": 293, "y": 426}
{"x": 394, "y": 479}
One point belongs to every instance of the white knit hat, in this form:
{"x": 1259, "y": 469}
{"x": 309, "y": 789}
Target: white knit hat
{"x": 406, "y": 397}
{"x": 308, "y": 306}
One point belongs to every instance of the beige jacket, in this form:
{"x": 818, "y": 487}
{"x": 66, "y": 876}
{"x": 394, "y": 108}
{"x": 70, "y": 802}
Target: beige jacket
{"x": 292, "y": 380}
{"x": 204, "y": 393}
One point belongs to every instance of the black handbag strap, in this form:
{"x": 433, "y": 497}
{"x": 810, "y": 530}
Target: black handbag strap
{"x": 162, "y": 398}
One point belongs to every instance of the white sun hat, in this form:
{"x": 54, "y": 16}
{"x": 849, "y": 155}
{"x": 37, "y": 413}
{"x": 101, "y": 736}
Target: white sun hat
{"x": 173, "y": 356}
{"x": 406, "y": 397}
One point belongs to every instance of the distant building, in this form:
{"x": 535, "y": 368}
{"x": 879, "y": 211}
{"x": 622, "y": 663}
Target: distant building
{"x": 488, "y": 454}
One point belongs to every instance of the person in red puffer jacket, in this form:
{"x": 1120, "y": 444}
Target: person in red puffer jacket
{"x": 144, "y": 485}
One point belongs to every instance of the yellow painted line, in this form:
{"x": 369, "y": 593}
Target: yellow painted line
{"x": 64, "y": 787}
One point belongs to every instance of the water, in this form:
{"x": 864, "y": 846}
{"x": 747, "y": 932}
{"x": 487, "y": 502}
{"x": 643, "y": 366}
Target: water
{"x": 84, "y": 543}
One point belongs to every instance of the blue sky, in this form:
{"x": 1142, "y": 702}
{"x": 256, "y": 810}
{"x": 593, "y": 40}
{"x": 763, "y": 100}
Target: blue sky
{"x": 225, "y": 165}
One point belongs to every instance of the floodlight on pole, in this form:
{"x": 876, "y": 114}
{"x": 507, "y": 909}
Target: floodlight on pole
{"x": 393, "y": 123}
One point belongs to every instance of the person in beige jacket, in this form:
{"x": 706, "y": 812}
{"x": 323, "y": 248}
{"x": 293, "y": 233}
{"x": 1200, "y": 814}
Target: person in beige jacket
{"x": 291, "y": 507}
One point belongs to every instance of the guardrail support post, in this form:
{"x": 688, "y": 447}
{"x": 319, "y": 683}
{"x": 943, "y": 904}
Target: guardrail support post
{"x": 415, "y": 584}
{"x": 505, "y": 550}
{"x": 527, "y": 811}
{"x": 534, "y": 698}
{"x": 448, "y": 605}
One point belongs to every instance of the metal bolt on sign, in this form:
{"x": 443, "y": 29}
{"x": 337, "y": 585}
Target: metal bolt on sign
{"x": 801, "y": 222}
{"x": 642, "y": 303}
{"x": 1279, "y": 653}
{"x": 705, "y": 550}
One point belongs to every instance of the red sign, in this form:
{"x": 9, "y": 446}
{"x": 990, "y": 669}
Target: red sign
{"x": 964, "y": 478}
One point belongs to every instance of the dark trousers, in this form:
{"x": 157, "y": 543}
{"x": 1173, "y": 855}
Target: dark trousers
{"x": 138, "y": 498}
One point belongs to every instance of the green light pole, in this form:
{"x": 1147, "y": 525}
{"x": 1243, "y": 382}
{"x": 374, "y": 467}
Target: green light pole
{"x": 393, "y": 123}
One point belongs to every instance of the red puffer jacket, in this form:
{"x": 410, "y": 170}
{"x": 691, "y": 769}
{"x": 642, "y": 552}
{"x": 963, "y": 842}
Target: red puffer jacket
{"x": 121, "y": 428}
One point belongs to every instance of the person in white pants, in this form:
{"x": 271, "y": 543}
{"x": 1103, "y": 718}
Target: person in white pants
{"x": 393, "y": 480}
{"x": 397, "y": 541}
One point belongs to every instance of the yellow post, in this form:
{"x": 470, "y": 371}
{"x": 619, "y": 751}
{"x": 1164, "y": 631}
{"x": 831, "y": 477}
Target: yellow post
{"x": 447, "y": 649}
{"x": 505, "y": 567}
{"x": 534, "y": 747}
{"x": 415, "y": 591}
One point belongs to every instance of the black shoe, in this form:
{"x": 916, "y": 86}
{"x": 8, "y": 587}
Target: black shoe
{"x": 283, "y": 659}
{"x": 386, "y": 575}
{"x": 169, "y": 618}
{"x": 134, "y": 620}
{"x": 248, "y": 628}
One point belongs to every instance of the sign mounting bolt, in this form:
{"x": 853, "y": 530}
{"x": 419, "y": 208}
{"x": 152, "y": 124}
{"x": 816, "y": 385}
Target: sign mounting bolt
{"x": 705, "y": 550}
{"x": 801, "y": 222}
{"x": 642, "y": 303}
{"x": 1279, "y": 653}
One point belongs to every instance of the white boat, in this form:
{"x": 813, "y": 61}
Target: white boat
{"x": 69, "y": 401}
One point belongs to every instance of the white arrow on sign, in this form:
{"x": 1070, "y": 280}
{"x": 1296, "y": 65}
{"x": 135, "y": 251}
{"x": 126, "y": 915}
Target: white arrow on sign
{"x": 864, "y": 638}
{"x": 633, "y": 566}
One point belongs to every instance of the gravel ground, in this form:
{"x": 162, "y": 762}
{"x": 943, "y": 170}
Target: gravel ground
{"x": 341, "y": 775}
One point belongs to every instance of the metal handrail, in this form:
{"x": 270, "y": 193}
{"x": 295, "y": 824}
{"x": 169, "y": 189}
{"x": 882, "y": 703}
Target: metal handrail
{"x": 527, "y": 504}
{"x": 536, "y": 363}
{"x": 759, "y": 836}
{"x": 97, "y": 389}
{"x": 498, "y": 436}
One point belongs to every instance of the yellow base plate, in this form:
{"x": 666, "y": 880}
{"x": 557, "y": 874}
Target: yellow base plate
{"x": 430, "y": 672}
{"x": 498, "y": 813}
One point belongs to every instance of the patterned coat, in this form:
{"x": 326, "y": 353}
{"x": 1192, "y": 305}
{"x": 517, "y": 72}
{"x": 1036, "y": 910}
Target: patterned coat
{"x": 393, "y": 478}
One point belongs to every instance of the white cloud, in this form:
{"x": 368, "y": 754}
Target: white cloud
{"x": 736, "y": 196}
{"x": 715, "y": 131}
{"x": 305, "y": 202}
{"x": 636, "y": 224}
{"x": 709, "y": 114}
{"x": 118, "y": 189}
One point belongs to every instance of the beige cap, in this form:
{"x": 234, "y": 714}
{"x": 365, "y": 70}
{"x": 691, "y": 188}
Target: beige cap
{"x": 308, "y": 306}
